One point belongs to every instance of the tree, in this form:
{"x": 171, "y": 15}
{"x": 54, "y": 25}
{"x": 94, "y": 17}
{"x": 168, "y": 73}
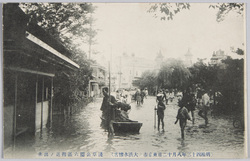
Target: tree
{"x": 205, "y": 75}
{"x": 232, "y": 85}
{"x": 173, "y": 75}
{"x": 68, "y": 23}
{"x": 237, "y": 51}
{"x": 225, "y": 79}
{"x": 65, "y": 21}
{"x": 168, "y": 10}
{"x": 147, "y": 80}
{"x": 225, "y": 8}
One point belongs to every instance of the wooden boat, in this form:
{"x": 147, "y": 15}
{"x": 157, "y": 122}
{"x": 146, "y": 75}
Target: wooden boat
{"x": 127, "y": 127}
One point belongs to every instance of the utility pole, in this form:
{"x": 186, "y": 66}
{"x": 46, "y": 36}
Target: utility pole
{"x": 90, "y": 40}
{"x": 109, "y": 80}
{"x": 120, "y": 74}
{"x": 110, "y": 68}
{"x": 90, "y": 37}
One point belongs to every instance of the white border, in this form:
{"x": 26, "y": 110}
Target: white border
{"x": 140, "y": 1}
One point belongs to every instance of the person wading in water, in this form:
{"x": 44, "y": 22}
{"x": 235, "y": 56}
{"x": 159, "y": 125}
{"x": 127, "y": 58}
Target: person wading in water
{"x": 160, "y": 110}
{"x": 107, "y": 108}
{"x": 182, "y": 116}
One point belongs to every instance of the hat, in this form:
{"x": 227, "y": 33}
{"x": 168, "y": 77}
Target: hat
{"x": 106, "y": 89}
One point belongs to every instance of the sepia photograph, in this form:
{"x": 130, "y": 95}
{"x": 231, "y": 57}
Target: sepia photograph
{"x": 105, "y": 80}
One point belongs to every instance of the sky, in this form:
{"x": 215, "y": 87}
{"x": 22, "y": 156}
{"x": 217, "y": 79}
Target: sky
{"x": 128, "y": 27}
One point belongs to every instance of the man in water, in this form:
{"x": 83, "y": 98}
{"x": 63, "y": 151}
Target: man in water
{"x": 160, "y": 109}
{"x": 189, "y": 101}
{"x": 205, "y": 107}
{"x": 107, "y": 108}
{"x": 182, "y": 117}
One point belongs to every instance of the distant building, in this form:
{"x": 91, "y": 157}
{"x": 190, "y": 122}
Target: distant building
{"x": 158, "y": 60}
{"x": 128, "y": 68}
{"x": 188, "y": 58}
{"x": 217, "y": 57}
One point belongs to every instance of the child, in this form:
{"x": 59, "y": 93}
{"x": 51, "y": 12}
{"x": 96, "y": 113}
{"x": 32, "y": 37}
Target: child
{"x": 160, "y": 113}
{"x": 182, "y": 116}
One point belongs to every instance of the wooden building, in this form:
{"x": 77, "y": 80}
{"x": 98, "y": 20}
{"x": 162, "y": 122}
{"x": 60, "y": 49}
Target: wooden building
{"x": 31, "y": 58}
{"x": 98, "y": 81}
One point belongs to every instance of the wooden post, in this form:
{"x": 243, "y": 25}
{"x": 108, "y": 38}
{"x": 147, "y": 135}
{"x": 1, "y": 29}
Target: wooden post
{"x": 51, "y": 102}
{"x": 14, "y": 114}
{"x": 109, "y": 123}
{"x": 89, "y": 88}
{"x": 42, "y": 105}
{"x": 214, "y": 106}
{"x": 36, "y": 100}
{"x": 155, "y": 117}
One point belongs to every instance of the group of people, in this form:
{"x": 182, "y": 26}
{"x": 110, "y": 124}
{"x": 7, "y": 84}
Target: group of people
{"x": 113, "y": 109}
{"x": 140, "y": 95}
{"x": 187, "y": 103}
{"x": 117, "y": 109}
{"x": 123, "y": 96}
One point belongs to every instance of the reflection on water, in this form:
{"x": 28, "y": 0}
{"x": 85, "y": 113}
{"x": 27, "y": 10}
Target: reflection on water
{"x": 182, "y": 146}
{"x": 82, "y": 133}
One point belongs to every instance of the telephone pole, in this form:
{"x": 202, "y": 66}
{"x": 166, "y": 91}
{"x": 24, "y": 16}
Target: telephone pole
{"x": 120, "y": 74}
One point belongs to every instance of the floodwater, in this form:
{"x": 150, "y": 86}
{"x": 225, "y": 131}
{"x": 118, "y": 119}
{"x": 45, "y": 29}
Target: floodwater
{"x": 81, "y": 135}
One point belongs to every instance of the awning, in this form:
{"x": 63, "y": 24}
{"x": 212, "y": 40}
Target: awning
{"x": 42, "y": 44}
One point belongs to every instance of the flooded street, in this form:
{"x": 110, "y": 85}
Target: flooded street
{"x": 82, "y": 134}
{"x": 60, "y": 59}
